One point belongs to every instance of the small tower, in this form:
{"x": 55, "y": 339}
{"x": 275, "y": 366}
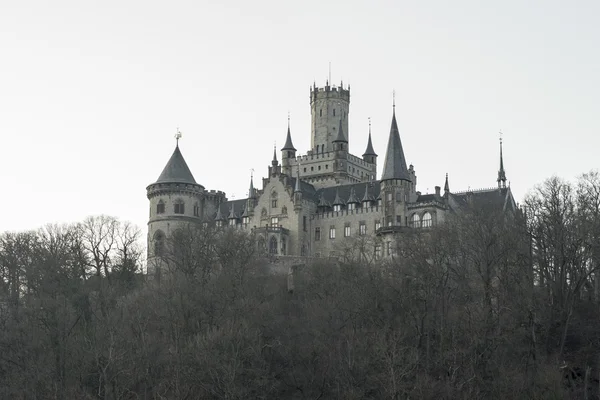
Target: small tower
{"x": 176, "y": 201}
{"x": 369, "y": 155}
{"x": 275, "y": 168}
{"x": 501, "y": 173}
{"x": 251, "y": 201}
{"x": 288, "y": 152}
{"x": 297, "y": 192}
{"x": 446, "y": 188}
{"x": 396, "y": 182}
{"x": 328, "y": 105}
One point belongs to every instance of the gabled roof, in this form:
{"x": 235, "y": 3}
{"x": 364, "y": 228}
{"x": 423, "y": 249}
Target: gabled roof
{"x": 352, "y": 198}
{"x": 494, "y": 198}
{"x": 176, "y": 170}
{"x": 394, "y": 166}
{"x": 337, "y": 200}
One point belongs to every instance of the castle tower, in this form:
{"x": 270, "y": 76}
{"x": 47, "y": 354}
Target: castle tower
{"x": 328, "y": 105}
{"x": 288, "y": 153}
{"x": 396, "y": 180}
{"x": 369, "y": 155}
{"x": 176, "y": 201}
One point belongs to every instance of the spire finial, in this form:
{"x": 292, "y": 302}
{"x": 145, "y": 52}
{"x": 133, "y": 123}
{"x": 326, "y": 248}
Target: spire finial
{"x": 369, "y": 125}
{"x": 177, "y": 137}
{"x": 288, "y": 120}
{"x": 394, "y": 100}
{"x": 501, "y": 173}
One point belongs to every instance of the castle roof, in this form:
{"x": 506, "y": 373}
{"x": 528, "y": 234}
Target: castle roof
{"x": 328, "y": 194}
{"x": 493, "y": 198}
{"x": 176, "y": 170}
{"x": 352, "y": 198}
{"x": 394, "y": 166}
{"x": 369, "y": 151}
{"x": 340, "y": 135}
{"x": 288, "y": 141}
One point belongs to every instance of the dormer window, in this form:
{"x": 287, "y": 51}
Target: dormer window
{"x": 232, "y": 222}
{"x": 351, "y": 206}
{"x": 337, "y": 207}
{"x": 179, "y": 207}
{"x": 160, "y": 207}
{"x": 366, "y": 204}
{"x": 219, "y": 223}
{"x": 245, "y": 220}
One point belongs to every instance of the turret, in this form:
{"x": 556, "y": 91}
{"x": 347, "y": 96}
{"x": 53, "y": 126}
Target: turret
{"x": 446, "y": 188}
{"x": 176, "y": 200}
{"x": 369, "y": 155}
{"x": 328, "y": 105}
{"x": 288, "y": 152}
{"x": 275, "y": 168}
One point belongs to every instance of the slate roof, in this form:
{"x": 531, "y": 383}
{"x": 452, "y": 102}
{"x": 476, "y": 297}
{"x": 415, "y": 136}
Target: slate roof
{"x": 343, "y": 191}
{"x": 176, "y": 170}
{"x": 394, "y": 166}
{"x": 225, "y": 208}
{"x": 493, "y": 198}
{"x": 288, "y": 141}
{"x": 369, "y": 151}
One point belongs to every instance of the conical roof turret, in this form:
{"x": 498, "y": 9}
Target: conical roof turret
{"x": 446, "y": 185}
{"x": 176, "y": 170}
{"x": 288, "y": 140}
{"x": 297, "y": 186}
{"x": 369, "y": 151}
{"x": 367, "y": 196}
{"x": 337, "y": 200}
{"x": 352, "y": 198}
{"x": 394, "y": 166}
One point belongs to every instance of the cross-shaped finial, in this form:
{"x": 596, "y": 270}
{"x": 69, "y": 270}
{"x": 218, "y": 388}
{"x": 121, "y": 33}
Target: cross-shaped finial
{"x": 178, "y": 136}
{"x": 500, "y": 133}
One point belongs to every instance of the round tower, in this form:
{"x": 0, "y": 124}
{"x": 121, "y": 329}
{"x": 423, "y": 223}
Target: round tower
{"x": 328, "y": 105}
{"x": 176, "y": 201}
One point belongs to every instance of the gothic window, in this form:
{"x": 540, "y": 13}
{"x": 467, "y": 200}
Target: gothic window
{"x": 219, "y": 223}
{"x": 196, "y": 210}
{"x": 160, "y": 207}
{"x": 427, "y": 221}
{"x": 416, "y": 221}
{"x": 273, "y": 245}
{"x": 284, "y": 210}
{"x": 289, "y": 154}
{"x": 274, "y": 221}
{"x": 312, "y": 168}
{"x": 379, "y": 202}
{"x": 362, "y": 228}
{"x": 317, "y": 234}
{"x": 159, "y": 244}
{"x": 347, "y": 231}
{"x": 232, "y": 222}
{"x": 179, "y": 206}
{"x": 319, "y": 167}
{"x": 274, "y": 200}
{"x": 332, "y": 232}
{"x": 322, "y": 148}
{"x": 389, "y": 196}
{"x": 377, "y": 251}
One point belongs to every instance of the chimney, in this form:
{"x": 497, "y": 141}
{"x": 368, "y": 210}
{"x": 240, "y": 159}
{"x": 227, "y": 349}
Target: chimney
{"x": 437, "y": 191}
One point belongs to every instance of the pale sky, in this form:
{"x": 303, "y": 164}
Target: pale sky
{"x": 91, "y": 93}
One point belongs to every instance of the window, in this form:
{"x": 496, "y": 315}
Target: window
{"x": 388, "y": 246}
{"x": 389, "y": 196}
{"x": 398, "y": 219}
{"x": 321, "y": 112}
{"x": 245, "y": 220}
{"x": 304, "y": 223}
{"x": 332, "y": 232}
{"x": 284, "y": 210}
{"x": 160, "y": 207}
{"x": 427, "y": 221}
{"x": 196, "y": 210}
{"x": 273, "y": 245}
{"x": 312, "y": 168}
{"x": 283, "y": 246}
{"x": 377, "y": 225}
{"x": 219, "y": 223}
{"x": 289, "y": 154}
{"x": 379, "y": 202}
{"x": 377, "y": 251}
{"x": 232, "y": 222}
{"x": 274, "y": 221}
{"x": 305, "y": 168}
{"x": 159, "y": 244}
{"x": 319, "y": 167}
{"x": 351, "y": 206}
{"x": 362, "y": 229}
{"x": 334, "y": 112}
{"x": 179, "y": 207}
{"x": 416, "y": 221}
{"x": 337, "y": 207}
{"x": 326, "y": 166}
{"x": 366, "y": 204}
{"x": 274, "y": 200}
{"x": 317, "y": 234}
{"x": 347, "y": 231}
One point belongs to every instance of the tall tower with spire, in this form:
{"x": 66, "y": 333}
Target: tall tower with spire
{"x": 328, "y": 106}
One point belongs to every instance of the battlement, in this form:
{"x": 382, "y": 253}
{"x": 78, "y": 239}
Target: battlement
{"x": 329, "y": 92}
{"x": 344, "y": 213}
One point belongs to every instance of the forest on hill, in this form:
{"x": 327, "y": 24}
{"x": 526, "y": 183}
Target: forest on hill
{"x": 486, "y": 306}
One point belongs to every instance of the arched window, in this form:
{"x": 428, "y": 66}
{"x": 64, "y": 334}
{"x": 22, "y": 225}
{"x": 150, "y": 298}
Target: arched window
{"x": 283, "y": 246}
{"x": 427, "y": 221}
{"x": 159, "y": 243}
{"x": 274, "y": 200}
{"x": 196, "y": 209}
{"x": 179, "y": 206}
{"x": 273, "y": 245}
{"x": 416, "y": 221}
{"x": 160, "y": 207}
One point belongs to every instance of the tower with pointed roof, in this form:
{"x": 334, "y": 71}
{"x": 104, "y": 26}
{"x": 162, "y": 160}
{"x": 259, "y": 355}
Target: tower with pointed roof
{"x": 369, "y": 155}
{"x": 176, "y": 200}
{"x": 288, "y": 152}
{"x": 501, "y": 173}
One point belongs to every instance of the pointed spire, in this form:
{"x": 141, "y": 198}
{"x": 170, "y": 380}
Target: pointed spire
{"x": 297, "y": 187}
{"x": 340, "y": 135}
{"x": 394, "y": 166}
{"x": 501, "y": 173}
{"x": 446, "y": 185}
{"x": 231, "y": 213}
{"x": 219, "y": 216}
{"x": 352, "y": 198}
{"x": 288, "y": 140}
{"x": 337, "y": 200}
{"x": 176, "y": 170}
{"x": 322, "y": 202}
{"x": 367, "y": 196}
{"x": 369, "y": 151}
{"x": 251, "y": 190}
{"x": 275, "y": 162}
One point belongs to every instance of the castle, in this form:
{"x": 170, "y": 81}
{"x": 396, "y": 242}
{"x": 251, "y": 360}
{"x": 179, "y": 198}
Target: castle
{"x": 321, "y": 204}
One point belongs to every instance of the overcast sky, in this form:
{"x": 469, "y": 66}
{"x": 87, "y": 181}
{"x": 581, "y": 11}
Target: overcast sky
{"x": 91, "y": 93}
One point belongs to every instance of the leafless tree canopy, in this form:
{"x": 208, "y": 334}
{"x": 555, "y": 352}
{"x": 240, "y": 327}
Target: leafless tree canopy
{"x": 489, "y": 305}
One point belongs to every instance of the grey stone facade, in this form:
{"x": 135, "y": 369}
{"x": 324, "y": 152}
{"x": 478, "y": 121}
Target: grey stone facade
{"x": 325, "y": 203}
